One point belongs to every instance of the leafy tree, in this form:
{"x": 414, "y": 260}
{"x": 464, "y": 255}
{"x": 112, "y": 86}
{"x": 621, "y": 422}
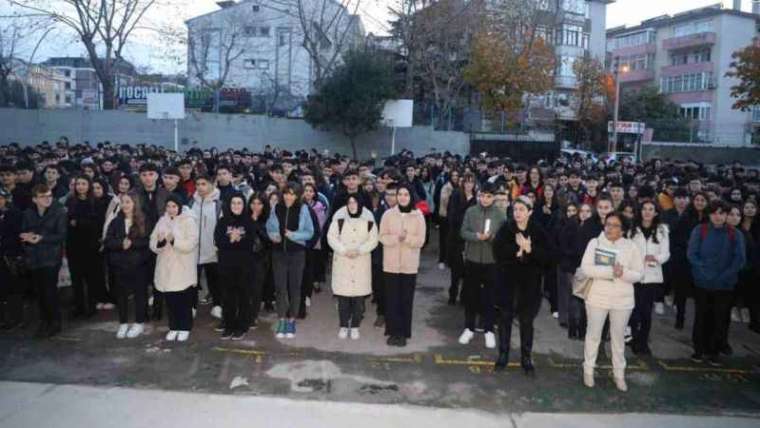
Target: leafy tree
{"x": 591, "y": 97}
{"x": 509, "y": 56}
{"x": 351, "y": 99}
{"x": 655, "y": 109}
{"x": 746, "y": 68}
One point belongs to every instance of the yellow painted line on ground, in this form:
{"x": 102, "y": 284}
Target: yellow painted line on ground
{"x": 416, "y": 359}
{"x": 702, "y": 369}
{"x": 238, "y": 351}
{"x": 641, "y": 366}
{"x": 440, "y": 360}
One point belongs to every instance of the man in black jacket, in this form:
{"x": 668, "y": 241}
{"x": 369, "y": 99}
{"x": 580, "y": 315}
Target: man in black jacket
{"x": 11, "y": 261}
{"x": 43, "y": 234}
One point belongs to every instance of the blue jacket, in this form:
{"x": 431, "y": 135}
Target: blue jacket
{"x": 304, "y": 232}
{"x": 717, "y": 259}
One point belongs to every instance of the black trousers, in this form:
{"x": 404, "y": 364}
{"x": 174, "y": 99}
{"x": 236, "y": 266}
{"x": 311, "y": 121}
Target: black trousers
{"x": 749, "y": 281}
{"x": 256, "y": 281}
{"x": 131, "y": 281}
{"x": 443, "y": 239}
{"x": 641, "y": 318}
{"x": 11, "y": 295}
{"x": 550, "y": 286}
{"x": 524, "y": 300}
{"x": 713, "y": 308}
{"x": 456, "y": 263}
{"x": 45, "y": 283}
{"x": 180, "y": 309}
{"x": 399, "y": 301}
{"x": 350, "y": 311}
{"x": 212, "y": 280}
{"x": 98, "y": 288}
{"x": 320, "y": 268}
{"x": 267, "y": 289}
{"x": 683, "y": 288}
{"x": 83, "y": 267}
{"x": 478, "y": 295}
{"x": 378, "y": 292}
{"x": 307, "y": 281}
{"x": 237, "y": 297}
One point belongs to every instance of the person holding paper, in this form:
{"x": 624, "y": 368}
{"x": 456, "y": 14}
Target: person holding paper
{"x": 614, "y": 263}
{"x": 481, "y": 222}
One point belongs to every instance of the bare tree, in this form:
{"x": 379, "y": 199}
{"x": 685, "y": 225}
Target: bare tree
{"x": 212, "y": 49}
{"x": 103, "y": 26}
{"x": 20, "y": 37}
{"x": 10, "y": 35}
{"x": 328, "y": 27}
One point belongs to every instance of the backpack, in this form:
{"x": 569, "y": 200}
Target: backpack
{"x": 311, "y": 243}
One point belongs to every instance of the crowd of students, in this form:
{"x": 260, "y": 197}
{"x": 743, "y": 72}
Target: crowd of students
{"x": 606, "y": 244}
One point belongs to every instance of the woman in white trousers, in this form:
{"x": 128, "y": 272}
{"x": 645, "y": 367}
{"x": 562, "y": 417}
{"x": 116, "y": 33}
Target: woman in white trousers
{"x": 614, "y": 263}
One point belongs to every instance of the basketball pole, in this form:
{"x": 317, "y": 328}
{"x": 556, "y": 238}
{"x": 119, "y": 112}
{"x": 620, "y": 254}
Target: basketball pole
{"x": 176, "y": 135}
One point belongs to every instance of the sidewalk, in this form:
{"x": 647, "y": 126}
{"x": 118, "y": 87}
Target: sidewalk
{"x": 24, "y": 405}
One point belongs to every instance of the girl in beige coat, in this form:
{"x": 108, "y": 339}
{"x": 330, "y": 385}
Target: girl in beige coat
{"x": 614, "y": 263}
{"x": 175, "y": 240}
{"x": 402, "y": 233}
{"x": 352, "y": 236}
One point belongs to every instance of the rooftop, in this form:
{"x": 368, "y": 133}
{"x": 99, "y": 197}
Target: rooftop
{"x": 689, "y": 15}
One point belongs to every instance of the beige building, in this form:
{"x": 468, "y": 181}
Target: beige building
{"x": 51, "y": 85}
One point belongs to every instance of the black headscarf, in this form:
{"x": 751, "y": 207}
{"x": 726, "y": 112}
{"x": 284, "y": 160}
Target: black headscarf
{"x": 177, "y": 200}
{"x": 358, "y": 203}
{"x": 410, "y": 207}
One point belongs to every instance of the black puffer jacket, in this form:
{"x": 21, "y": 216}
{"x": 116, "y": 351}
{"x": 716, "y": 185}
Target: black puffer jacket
{"x": 119, "y": 259}
{"x": 52, "y": 227}
{"x": 10, "y": 229}
{"x": 526, "y": 269}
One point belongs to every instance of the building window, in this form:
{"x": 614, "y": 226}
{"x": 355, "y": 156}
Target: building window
{"x": 698, "y": 111}
{"x": 578, "y": 7}
{"x": 572, "y": 35}
{"x": 256, "y": 8}
{"x": 249, "y": 31}
{"x": 694, "y": 27}
{"x": 256, "y": 64}
{"x": 282, "y": 39}
{"x": 68, "y": 99}
{"x": 692, "y": 82}
{"x": 68, "y": 85}
{"x": 690, "y": 57}
{"x": 630, "y": 40}
{"x": 67, "y": 73}
{"x": 263, "y": 31}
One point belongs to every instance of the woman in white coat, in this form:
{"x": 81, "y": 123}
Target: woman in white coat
{"x": 652, "y": 239}
{"x": 614, "y": 264}
{"x": 352, "y": 236}
{"x": 175, "y": 240}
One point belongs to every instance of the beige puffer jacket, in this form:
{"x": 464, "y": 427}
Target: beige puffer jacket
{"x": 352, "y": 277}
{"x": 608, "y": 292}
{"x": 176, "y": 268}
{"x": 402, "y": 257}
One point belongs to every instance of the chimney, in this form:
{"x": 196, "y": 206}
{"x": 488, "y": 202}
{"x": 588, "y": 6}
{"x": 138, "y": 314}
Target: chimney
{"x": 738, "y": 5}
{"x": 756, "y": 7}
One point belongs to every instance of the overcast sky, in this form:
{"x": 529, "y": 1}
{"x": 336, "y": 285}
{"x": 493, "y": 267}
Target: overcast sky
{"x": 145, "y": 50}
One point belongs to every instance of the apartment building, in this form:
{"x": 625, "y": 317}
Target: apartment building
{"x": 686, "y": 56}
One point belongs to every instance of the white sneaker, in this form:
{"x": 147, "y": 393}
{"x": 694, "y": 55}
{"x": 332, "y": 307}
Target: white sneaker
{"x": 108, "y": 306}
{"x": 135, "y": 330}
{"x": 99, "y": 306}
{"x": 588, "y": 379}
{"x": 669, "y": 300}
{"x": 466, "y": 336}
{"x": 659, "y": 308}
{"x": 745, "y": 316}
{"x": 735, "y": 316}
{"x": 216, "y": 312}
{"x": 122, "y": 333}
{"x": 195, "y": 311}
{"x": 355, "y": 334}
{"x": 171, "y": 336}
{"x": 441, "y": 266}
{"x": 308, "y": 302}
{"x": 620, "y": 384}
{"x": 555, "y": 315}
{"x": 342, "y": 333}
{"x": 182, "y": 336}
{"x": 150, "y": 301}
{"x": 490, "y": 340}
{"x": 628, "y": 335}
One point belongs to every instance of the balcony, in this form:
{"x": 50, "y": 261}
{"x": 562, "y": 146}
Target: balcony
{"x": 692, "y": 40}
{"x": 676, "y": 70}
{"x": 648, "y": 48}
{"x": 636, "y": 76}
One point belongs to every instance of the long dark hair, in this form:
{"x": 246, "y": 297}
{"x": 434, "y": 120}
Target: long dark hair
{"x": 138, "y": 217}
{"x": 264, "y": 200}
{"x": 71, "y": 201}
{"x": 639, "y": 222}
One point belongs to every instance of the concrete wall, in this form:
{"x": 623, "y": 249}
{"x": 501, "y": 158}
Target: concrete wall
{"x": 704, "y": 153}
{"x": 208, "y": 129}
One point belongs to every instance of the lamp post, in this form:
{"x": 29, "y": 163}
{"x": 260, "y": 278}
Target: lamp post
{"x": 618, "y": 71}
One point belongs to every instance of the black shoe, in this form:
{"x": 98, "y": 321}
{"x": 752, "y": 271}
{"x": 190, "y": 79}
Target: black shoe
{"x": 227, "y": 334}
{"x": 727, "y": 350}
{"x": 754, "y": 328}
{"x": 572, "y": 333}
{"x": 54, "y": 329}
{"x": 391, "y": 341}
{"x": 645, "y": 351}
{"x": 452, "y": 301}
{"x": 317, "y": 289}
{"x": 501, "y": 362}
{"x": 239, "y": 335}
{"x": 527, "y": 365}
{"x": 219, "y": 328}
{"x": 401, "y": 342}
{"x": 697, "y": 358}
{"x": 269, "y": 307}
{"x": 679, "y": 324}
{"x": 714, "y": 361}
{"x": 42, "y": 330}
{"x": 302, "y": 314}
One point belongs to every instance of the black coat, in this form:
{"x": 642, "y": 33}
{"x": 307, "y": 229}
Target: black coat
{"x": 234, "y": 253}
{"x": 10, "y": 229}
{"x": 569, "y": 246}
{"x": 458, "y": 205}
{"x": 52, "y": 227}
{"x": 82, "y": 236}
{"x": 119, "y": 259}
{"x": 526, "y": 269}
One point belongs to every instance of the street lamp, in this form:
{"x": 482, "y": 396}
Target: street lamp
{"x": 618, "y": 69}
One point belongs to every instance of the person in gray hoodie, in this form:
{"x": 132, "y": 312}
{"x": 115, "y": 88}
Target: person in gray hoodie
{"x": 481, "y": 222}
{"x": 206, "y": 207}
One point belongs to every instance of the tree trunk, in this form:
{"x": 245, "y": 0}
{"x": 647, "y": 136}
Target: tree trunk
{"x": 109, "y": 100}
{"x": 353, "y": 146}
